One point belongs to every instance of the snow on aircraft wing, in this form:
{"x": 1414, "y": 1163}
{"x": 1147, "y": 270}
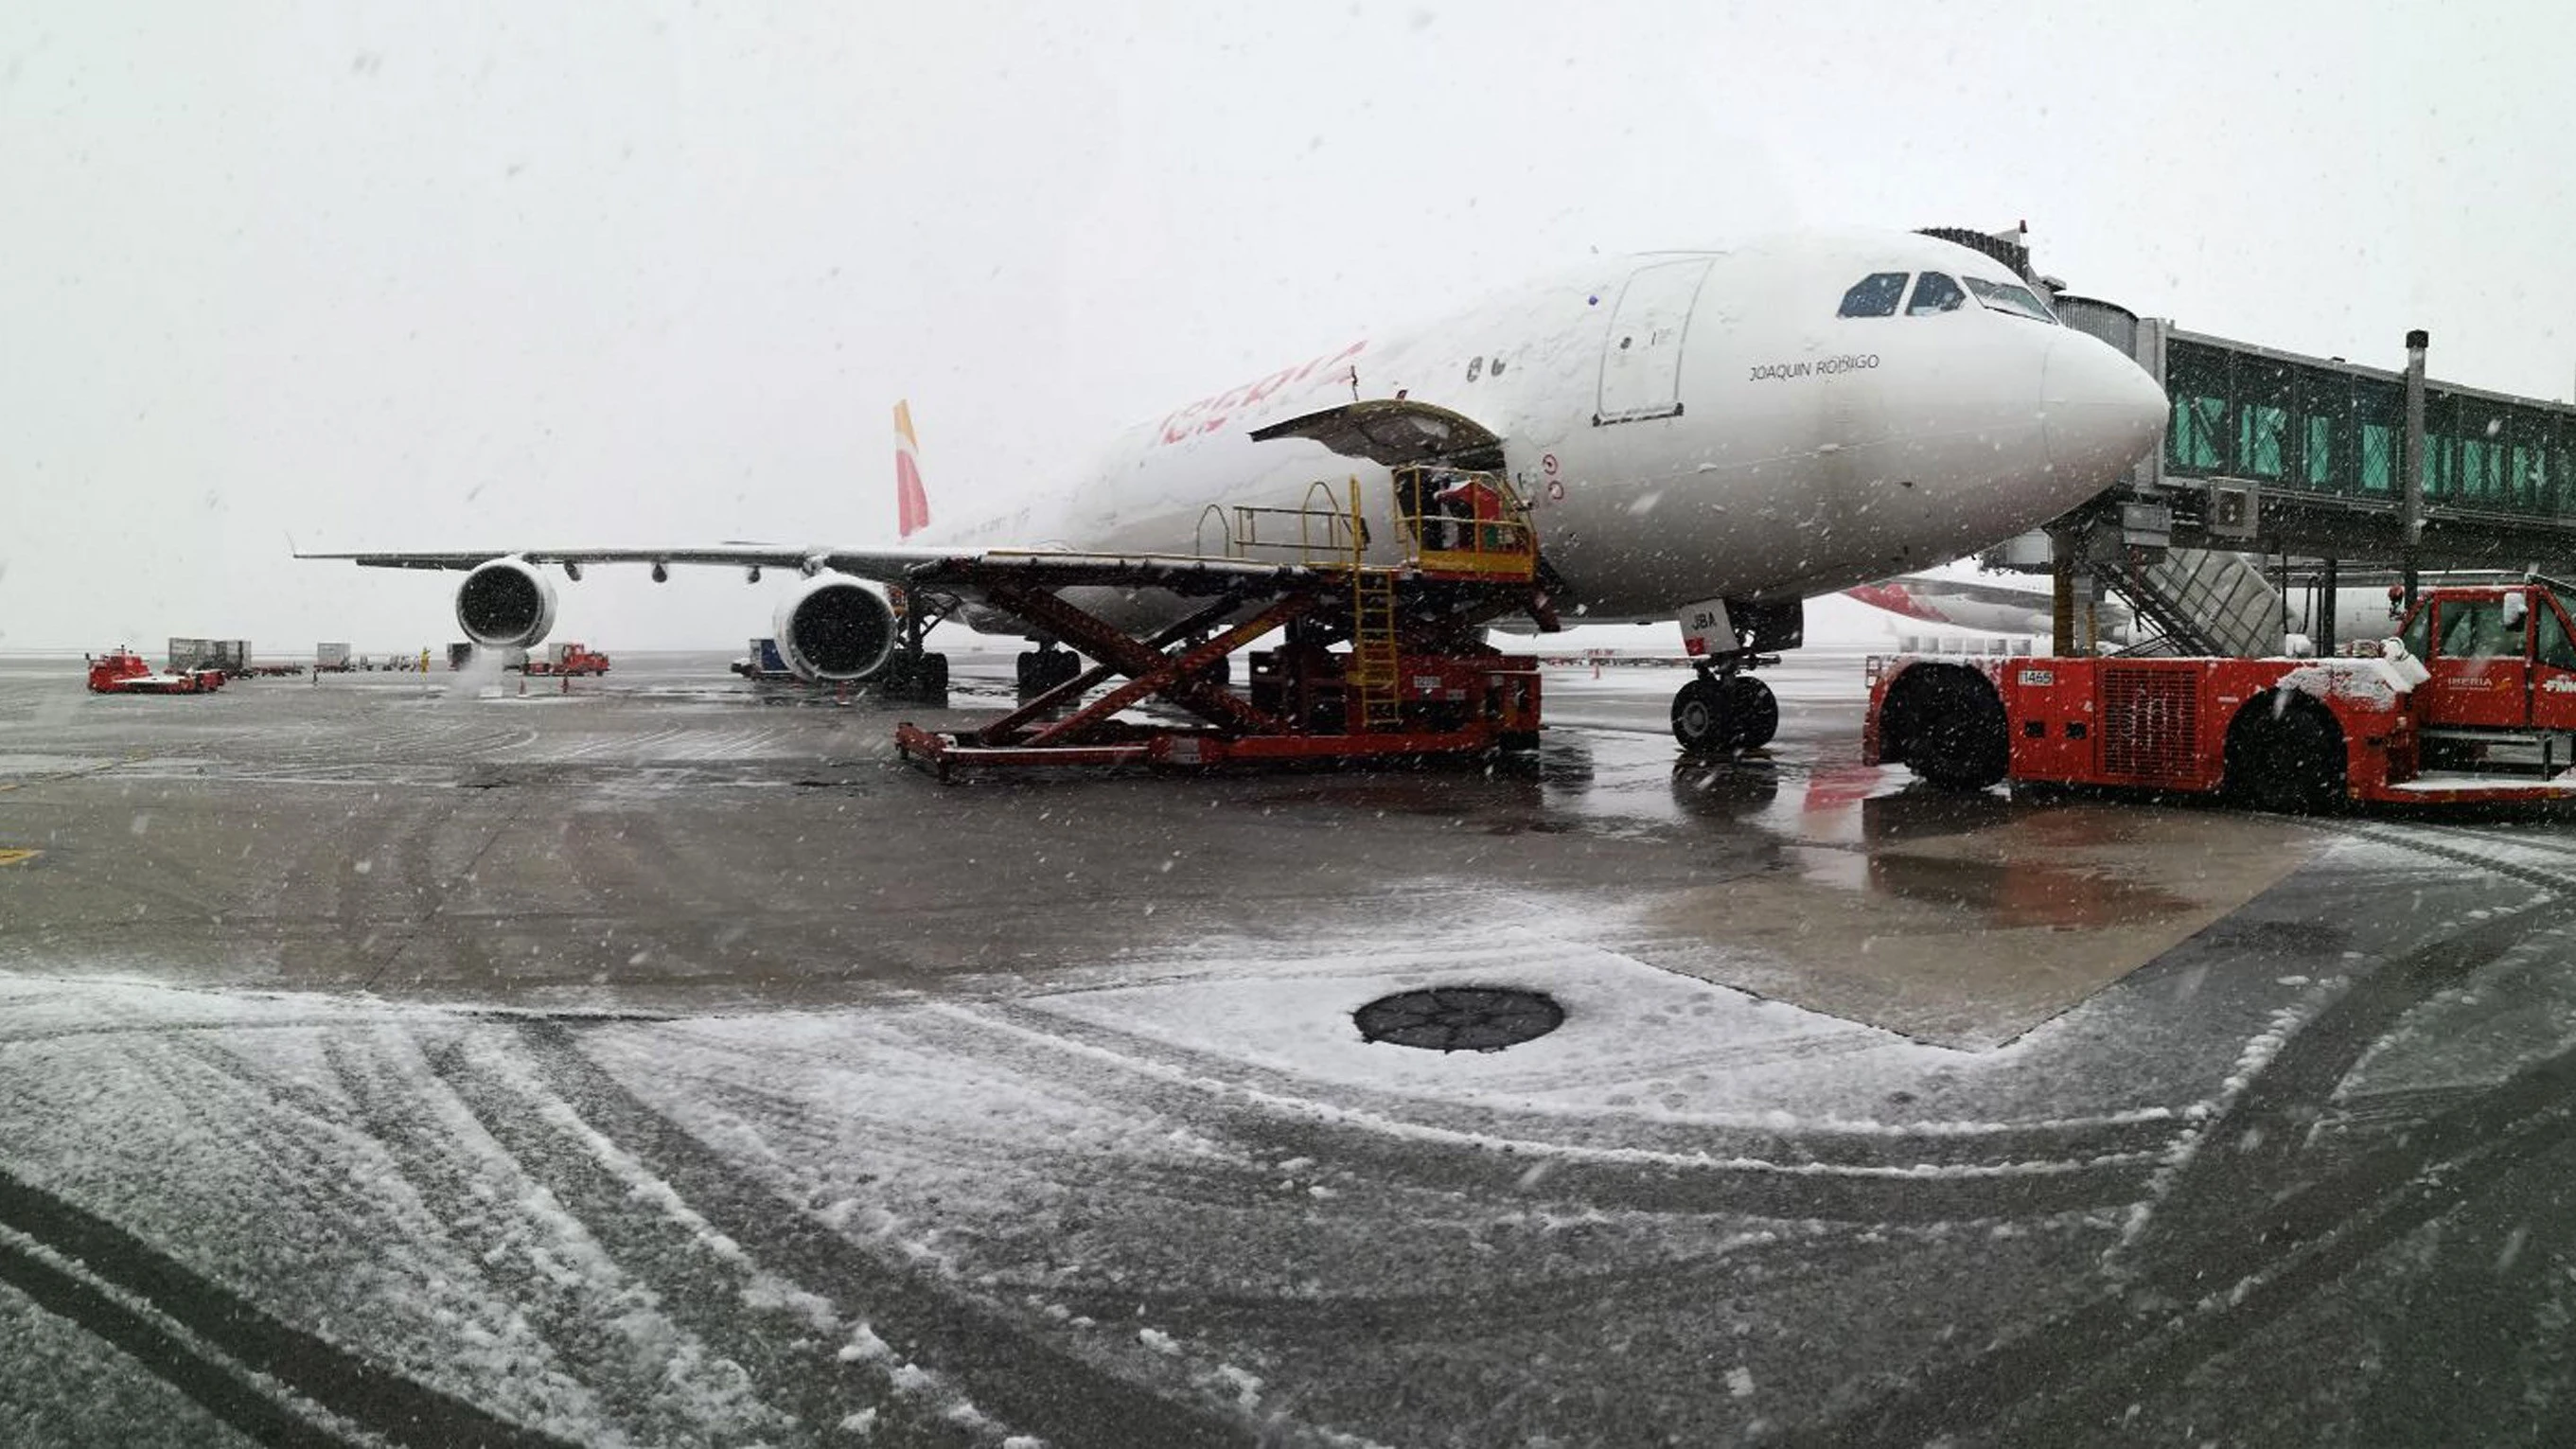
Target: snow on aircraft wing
{"x": 882, "y": 564}
{"x": 903, "y": 564}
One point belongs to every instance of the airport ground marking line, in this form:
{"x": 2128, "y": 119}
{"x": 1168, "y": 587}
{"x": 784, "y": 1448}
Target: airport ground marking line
{"x": 135, "y": 757}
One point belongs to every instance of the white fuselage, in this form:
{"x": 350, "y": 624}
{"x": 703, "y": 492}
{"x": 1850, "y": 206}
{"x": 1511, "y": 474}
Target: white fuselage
{"x": 1999, "y": 606}
{"x": 1685, "y": 425}
{"x": 1987, "y": 607}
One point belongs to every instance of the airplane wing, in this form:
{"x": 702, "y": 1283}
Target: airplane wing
{"x": 898, "y": 565}
{"x": 886, "y": 565}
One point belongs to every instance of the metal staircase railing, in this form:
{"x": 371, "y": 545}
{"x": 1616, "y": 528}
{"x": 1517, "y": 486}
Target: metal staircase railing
{"x": 2204, "y": 601}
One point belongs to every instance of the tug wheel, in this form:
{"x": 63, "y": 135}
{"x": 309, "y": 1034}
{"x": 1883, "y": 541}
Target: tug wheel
{"x": 1948, "y": 724}
{"x": 2285, "y": 753}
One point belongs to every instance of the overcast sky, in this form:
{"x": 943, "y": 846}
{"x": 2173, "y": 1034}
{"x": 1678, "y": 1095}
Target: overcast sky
{"x": 511, "y": 274}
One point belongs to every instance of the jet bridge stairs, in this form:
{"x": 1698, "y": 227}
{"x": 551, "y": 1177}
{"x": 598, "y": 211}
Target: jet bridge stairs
{"x": 2202, "y": 602}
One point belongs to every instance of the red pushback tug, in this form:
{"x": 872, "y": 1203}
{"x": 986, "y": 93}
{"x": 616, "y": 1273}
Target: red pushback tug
{"x": 122, "y": 671}
{"x": 568, "y": 659}
{"x": 1415, "y": 678}
{"x": 2473, "y": 703}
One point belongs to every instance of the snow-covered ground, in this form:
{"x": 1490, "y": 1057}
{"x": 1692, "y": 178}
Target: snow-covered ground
{"x": 1152, "y": 1187}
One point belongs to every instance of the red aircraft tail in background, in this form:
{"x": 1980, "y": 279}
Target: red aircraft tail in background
{"x": 912, "y": 505}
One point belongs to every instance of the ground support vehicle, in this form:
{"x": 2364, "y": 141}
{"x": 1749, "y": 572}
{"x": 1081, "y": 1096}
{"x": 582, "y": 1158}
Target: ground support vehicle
{"x": 1412, "y": 678}
{"x": 122, "y": 671}
{"x": 568, "y": 659}
{"x": 763, "y": 664}
{"x": 2473, "y": 703}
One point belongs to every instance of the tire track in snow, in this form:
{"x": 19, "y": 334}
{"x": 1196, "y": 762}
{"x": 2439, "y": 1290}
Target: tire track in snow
{"x": 2452, "y": 846}
{"x": 2238, "y": 1233}
{"x": 614, "y": 1334}
{"x": 2285, "y": 1253}
{"x": 1018, "y": 1376}
{"x": 705, "y": 1282}
{"x": 213, "y": 1384}
{"x": 368, "y": 1396}
{"x": 2488, "y": 1355}
{"x": 1821, "y": 1144}
{"x": 1480, "y": 1163}
{"x": 2262, "y": 1135}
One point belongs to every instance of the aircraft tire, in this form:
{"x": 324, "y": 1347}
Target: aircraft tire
{"x": 1751, "y": 711}
{"x": 930, "y": 682}
{"x": 1699, "y": 718}
{"x": 895, "y": 679}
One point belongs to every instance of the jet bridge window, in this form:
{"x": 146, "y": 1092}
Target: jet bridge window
{"x": 2004, "y": 297}
{"x": 1934, "y": 292}
{"x": 1875, "y": 295}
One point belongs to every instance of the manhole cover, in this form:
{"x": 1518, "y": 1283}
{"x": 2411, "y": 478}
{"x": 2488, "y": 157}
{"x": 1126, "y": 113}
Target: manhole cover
{"x": 1460, "y": 1018}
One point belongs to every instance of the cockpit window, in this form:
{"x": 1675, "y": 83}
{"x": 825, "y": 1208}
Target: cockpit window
{"x": 1934, "y": 292}
{"x": 1875, "y": 295}
{"x": 2005, "y": 297}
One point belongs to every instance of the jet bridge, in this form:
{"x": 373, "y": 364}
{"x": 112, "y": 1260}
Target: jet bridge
{"x": 2273, "y": 455}
{"x": 2267, "y": 451}
{"x": 1376, "y": 661}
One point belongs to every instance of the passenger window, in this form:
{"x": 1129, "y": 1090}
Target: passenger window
{"x": 1934, "y": 292}
{"x": 2556, "y": 649}
{"x": 2475, "y": 629}
{"x": 1875, "y": 295}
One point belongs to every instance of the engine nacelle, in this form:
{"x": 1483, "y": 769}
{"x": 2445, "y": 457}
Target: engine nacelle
{"x": 834, "y": 628}
{"x": 505, "y": 604}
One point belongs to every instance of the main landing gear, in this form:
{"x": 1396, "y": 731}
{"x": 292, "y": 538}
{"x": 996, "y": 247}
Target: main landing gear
{"x": 912, "y": 673}
{"x": 1045, "y": 667}
{"x": 1724, "y": 710}
{"x": 915, "y": 676}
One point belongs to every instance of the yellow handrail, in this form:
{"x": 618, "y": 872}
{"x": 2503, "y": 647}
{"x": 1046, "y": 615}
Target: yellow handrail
{"x": 1458, "y": 520}
{"x": 1323, "y": 534}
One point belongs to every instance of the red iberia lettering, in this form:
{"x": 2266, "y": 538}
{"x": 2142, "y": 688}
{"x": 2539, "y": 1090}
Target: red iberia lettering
{"x": 1211, "y": 413}
{"x": 1174, "y": 429}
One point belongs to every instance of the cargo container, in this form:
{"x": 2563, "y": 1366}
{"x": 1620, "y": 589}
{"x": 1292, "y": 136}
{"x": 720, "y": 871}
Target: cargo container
{"x": 226, "y": 654}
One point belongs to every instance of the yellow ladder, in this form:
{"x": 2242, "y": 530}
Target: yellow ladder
{"x": 1375, "y": 664}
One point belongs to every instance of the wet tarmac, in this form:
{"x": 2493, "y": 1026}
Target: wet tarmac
{"x": 665, "y": 1063}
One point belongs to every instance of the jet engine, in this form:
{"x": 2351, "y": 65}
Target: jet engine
{"x": 834, "y": 629}
{"x": 505, "y": 604}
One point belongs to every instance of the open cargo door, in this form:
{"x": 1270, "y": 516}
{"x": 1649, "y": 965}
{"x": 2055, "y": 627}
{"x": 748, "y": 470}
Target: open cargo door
{"x": 1395, "y": 432}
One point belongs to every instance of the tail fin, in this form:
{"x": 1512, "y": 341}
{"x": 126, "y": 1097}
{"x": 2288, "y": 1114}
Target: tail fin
{"x": 911, "y": 504}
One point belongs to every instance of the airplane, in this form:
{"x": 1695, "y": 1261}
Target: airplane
{"x": 2004, "y": 607}
{"x": 1710, "y": 436}
{"x": 1996, "y": 607}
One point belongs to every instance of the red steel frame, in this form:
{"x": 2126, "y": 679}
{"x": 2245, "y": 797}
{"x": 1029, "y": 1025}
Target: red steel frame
{"x": 1456, "y": 698}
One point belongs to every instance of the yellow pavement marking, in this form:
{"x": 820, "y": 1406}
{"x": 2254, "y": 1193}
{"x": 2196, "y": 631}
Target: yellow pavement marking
{"x": 18, "y": 857}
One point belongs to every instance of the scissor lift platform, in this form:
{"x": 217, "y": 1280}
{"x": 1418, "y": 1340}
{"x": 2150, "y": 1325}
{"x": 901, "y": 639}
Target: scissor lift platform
{"x": 1415, "y": 679}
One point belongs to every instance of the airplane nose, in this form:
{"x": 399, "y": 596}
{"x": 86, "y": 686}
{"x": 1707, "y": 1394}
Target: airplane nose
{"x": 2102, "y": 410}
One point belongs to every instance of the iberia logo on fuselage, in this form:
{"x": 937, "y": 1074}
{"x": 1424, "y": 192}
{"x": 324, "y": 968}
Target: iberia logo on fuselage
{"x": 1211, "y": 413}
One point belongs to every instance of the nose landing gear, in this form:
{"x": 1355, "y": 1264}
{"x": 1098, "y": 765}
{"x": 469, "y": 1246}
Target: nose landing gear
{"x": 1724, "y": 711}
